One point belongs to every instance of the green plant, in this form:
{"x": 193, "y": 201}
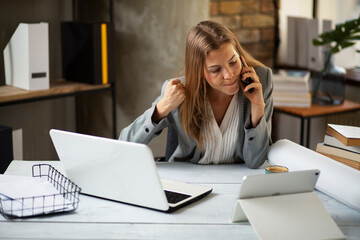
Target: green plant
{"x": 344, "y": 35}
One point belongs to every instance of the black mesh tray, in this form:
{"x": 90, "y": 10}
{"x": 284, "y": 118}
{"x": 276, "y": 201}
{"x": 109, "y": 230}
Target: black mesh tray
{"x": 66, "y": 200}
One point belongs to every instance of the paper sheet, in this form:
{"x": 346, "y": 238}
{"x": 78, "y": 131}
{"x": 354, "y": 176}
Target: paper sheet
{"x": 26, "y": 196}
{"x": 291, "y": 216}
{"x": 336, "y": 179}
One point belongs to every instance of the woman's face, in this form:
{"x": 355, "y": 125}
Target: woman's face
{"x": 222, "y": 69}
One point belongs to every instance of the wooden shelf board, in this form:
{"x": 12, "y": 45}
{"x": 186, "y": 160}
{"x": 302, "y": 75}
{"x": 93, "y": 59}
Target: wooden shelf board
{"x": 57, "y": 87}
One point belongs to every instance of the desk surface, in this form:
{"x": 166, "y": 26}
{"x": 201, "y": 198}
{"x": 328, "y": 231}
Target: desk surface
{"x": 319, "y": 110}
{"x": 209, "y": 218}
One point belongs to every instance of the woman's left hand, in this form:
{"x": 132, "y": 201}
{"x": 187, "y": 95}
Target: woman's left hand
{"x": 256, "y": 95}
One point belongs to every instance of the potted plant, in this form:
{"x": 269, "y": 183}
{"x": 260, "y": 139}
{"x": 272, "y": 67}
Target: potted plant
{"x": 329, "y": 84}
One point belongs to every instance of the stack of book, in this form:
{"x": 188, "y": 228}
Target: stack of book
{"x": 342, "y": 143}
{"x": 291, "y": 88}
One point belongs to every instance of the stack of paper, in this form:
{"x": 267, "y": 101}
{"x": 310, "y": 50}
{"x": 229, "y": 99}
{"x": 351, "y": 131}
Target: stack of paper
{"x": 27, "y": 196}
{"x": 291, "y": 88}
{"x": 342, "y": 143}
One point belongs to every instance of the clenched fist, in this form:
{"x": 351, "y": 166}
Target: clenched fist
{"x": 174, "y": 95}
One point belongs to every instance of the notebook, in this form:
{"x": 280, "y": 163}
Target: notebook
{"x": 285, "y": 206}
{"x": 121, "y": 171}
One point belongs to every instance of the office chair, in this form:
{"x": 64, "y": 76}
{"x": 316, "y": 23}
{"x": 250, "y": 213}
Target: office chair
{"x": 171, "y": 145}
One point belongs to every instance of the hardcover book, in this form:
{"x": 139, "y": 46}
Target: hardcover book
{"x": 322, "y": 148}
{"x": 334, "y": 142}
{"x": 88, "y": 52}
{"x": 348, "y": 162}
{"x": 348, "y": 135}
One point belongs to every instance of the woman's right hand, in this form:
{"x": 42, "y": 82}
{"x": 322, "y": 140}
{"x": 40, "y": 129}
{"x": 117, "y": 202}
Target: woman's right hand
{"x": 174, "y": 95}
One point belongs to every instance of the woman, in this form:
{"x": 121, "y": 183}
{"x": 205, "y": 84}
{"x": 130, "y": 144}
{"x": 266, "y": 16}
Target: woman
{"x": 217, "y": 117}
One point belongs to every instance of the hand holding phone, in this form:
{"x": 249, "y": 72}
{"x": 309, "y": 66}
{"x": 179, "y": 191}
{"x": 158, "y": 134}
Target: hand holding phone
{"x": 247, "y": 80}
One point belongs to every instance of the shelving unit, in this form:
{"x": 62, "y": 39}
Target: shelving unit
{"x": 58, "y": 89}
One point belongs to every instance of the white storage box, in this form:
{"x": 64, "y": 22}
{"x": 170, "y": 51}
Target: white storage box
{"x": 26, "y": 57}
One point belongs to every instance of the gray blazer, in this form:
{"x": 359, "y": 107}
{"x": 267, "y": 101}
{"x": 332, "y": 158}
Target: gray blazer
{"x": 253, "y": 143}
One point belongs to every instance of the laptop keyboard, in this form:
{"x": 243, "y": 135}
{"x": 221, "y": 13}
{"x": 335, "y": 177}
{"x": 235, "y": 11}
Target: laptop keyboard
{"x": 174, "y": 197}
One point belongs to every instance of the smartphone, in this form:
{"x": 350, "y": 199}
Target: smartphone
{"x": 248, "y": 80}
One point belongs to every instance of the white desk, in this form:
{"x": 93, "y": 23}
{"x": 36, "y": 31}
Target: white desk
{"x": 209, "y": 218}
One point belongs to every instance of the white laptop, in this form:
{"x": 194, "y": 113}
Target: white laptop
{"x": 120, "y": 171}
{"x": 285, "y": 206}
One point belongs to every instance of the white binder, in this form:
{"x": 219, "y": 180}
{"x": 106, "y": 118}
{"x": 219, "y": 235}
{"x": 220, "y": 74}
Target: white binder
{"x": 26, "y": 57}
{"x": 314, "y": 52}
{"x": 284, "y": 206}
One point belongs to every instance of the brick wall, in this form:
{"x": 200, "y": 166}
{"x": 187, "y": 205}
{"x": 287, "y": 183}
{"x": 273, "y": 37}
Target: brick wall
{"x": 252, "y": 22}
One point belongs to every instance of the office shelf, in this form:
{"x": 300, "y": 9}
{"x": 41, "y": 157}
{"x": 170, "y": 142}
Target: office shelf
{"x": 58, "y": 89}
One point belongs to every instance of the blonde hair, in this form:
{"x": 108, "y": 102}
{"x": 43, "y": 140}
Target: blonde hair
{"x": 201, "y": 39}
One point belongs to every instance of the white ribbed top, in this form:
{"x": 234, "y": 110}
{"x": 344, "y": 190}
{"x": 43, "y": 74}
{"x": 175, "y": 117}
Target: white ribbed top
{"x": 220, "y": 142}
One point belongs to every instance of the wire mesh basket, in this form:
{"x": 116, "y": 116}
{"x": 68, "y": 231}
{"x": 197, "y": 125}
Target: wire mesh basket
{"x": 63, "y": 197}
